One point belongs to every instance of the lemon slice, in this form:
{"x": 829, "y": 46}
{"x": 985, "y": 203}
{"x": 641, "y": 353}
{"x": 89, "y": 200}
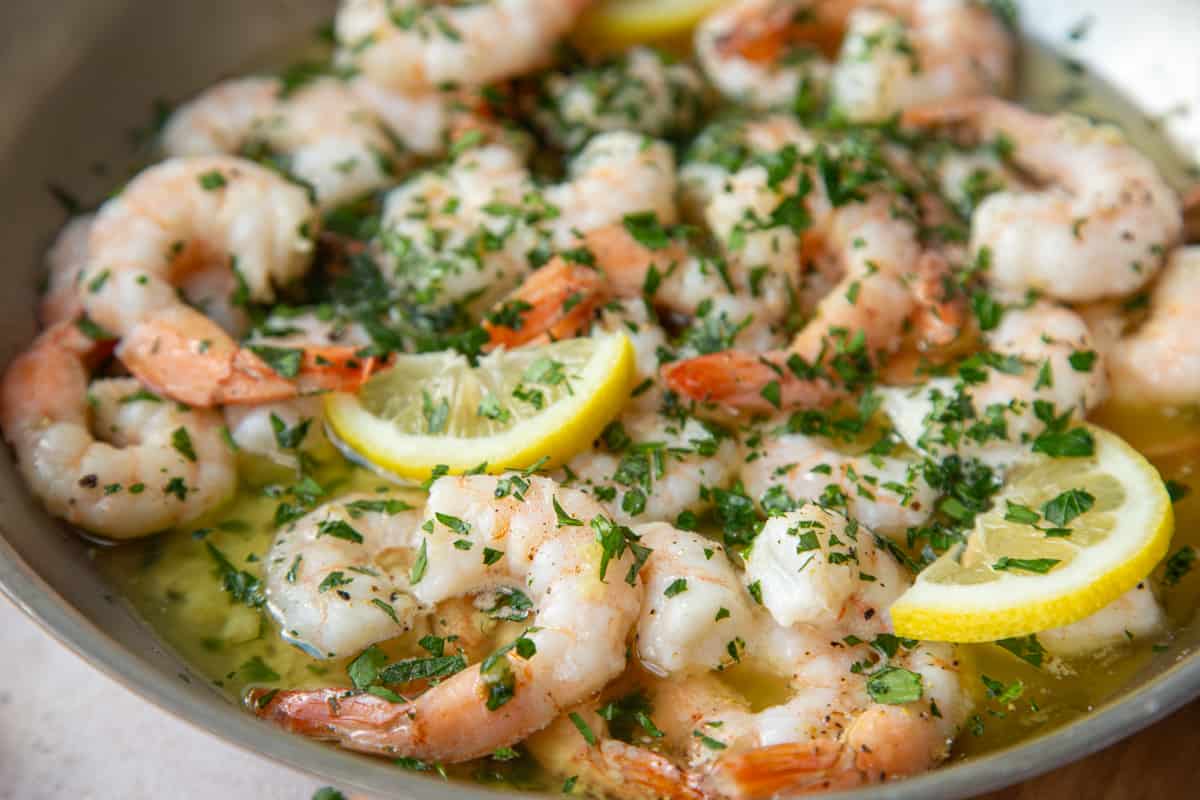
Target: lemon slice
{"x": 1066, "y": 537}
{"x": 620, "y": 23}
{"x": 512, "y": 410}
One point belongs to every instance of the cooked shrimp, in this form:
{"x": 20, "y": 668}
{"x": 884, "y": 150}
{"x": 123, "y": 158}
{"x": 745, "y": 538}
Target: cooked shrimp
{"x": 292, "y": 432}
{"x": 429, "y": 123}
{"x": 655, "y": 465}
{"x": 638, "y": 90}
{"x": 1099, "y": 227}
{"x": 65, "y": 262}
{"x": 1045, "y": 353}
{"x": 534, "y": 534}
{"x": 1159, "y": 363}
{"x": 337, "y": 579}
{"x": 886, "y": 494}
{"x": 325, "y": 135}
{"x": 840, "y": 727}
{"x": 894, "y": 53}
{"x": 824, "y": 583}
{"x": 557, "y": 301}
{"x": 109, "y": 456}
{"x": 1137, "y": 614}
{"x": 695, "y": 603}
{"x": 487, "y": 215}
{"x": 419, "y": 45}
{"x": 193, "y": 216}
{"x": 616, "y": 175}
{"x": 606, "y": 766}
{"x": 898, "y": 54}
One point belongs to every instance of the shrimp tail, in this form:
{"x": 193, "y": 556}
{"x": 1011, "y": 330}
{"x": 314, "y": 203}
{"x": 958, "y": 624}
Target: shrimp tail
{"x": 355, "y": 720}
{"x": 555, "y": 302}
{"x": 794, "y": 768}
{"x": 183, "y": 355}
{"x": 646, "y": 774}
{"x": 940, "y": 317}
{"x": 741, "y": 380}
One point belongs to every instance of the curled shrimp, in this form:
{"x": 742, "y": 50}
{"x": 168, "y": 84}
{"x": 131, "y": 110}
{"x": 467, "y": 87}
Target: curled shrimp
{"x": 1135, "y": 615}
{"x": 885, "y": 493}
{"x": 65, "y": 261}
{"x": 221, "y": 218}
{"x": 893, "y": 54}
{"x": 1159, "y": 362}
{"x": 109, "y": 456}
{"x": 1099, "y": 226}
{"x": 418, "y": 45}
{"x": 325, "y": 135}
{"x": 337, "y": 579}
{"x": 1039, "y": 351}
{"x": 585, "y": 600}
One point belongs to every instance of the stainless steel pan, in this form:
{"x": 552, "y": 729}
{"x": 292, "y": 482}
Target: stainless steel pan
{"x": 77, "y": 75}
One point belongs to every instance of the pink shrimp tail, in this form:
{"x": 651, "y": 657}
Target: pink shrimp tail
{"x": 795, "y": 768}
{"x": 741, "y": 380}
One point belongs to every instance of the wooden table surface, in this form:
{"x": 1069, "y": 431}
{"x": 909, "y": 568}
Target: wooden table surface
{"x": 1160, "y": 763}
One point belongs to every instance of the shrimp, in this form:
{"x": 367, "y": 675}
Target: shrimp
{"x": 1137, "y": 614}
{"x": 1099, "y": 226}
{"x": 887, "y": 283}
{"x": 484, "y": 533}
{"x": 323, "y": 133}
{"x": 1159, "y": 363}
{"x": 839, "y": 727}
{"x": 885, "y": 493}
{"x": 638, "y": 90}
{"x": 655, "y": 465}
{"x": 616, "y": 175}
{"x": 893, "y": 53}
{"x": 418, "y": 45}
{"x": 489, "y": 215}
{"x": 337, "y": 579}
{"x": 109, "y": 456}
{"x": 689, "y": 629}
{"x": 607, "y": 766}
{"x": 65, "y": 262}
{"x": 1041, "y": 355}
{"x": 191, "y": 216}
{"x": 557, "y": 301}
{"x": 291, "y": 432}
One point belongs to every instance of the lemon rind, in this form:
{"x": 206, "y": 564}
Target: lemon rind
{"x": 558, "y": 432}
{"x": 940, "y": 612}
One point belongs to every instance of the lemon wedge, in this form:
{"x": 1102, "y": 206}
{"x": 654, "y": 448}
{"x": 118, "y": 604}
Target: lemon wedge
{"x": 620, "y": 23}
{"x": 513, "y": 409}
{"x": 1066, "y": 537}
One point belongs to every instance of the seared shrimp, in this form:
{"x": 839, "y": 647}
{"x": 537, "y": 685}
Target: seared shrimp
{"x": 840, "y": 727}
{"x": 894, "y": 54}
{"x": 1045, "y": 354}
{"x": 1159, "y": 363}
{"x": 688, "y": 629}
{"x": 1101, "y": 223}
{"x": 1137, "y": 614}
{"x": 109, "y": 456}
{"x": 323, "y": 133}
{"x": 489, "y": 215}
{"x": 337, "y": 579}
{"x": 292, "y": 431}
{"x": 654, "y": 466}
{"x": 222, "y": 219}
{"x": 483, "y": 534}
{"x": 886, "y": 494}
{"x": 419, "y": 45}
{"x": 65, "y": 261}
